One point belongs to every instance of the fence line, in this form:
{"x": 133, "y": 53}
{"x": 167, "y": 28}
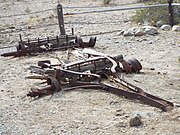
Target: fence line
{"x": 95, "y": 11}
{"x": 126, "y": 8}
{"x": 82, "y": 7}
{"x": 55, "y": 24}
{"x": 51, "y": 9}
{"x": 100, "y": 33}
{"x": 23, "y": 14}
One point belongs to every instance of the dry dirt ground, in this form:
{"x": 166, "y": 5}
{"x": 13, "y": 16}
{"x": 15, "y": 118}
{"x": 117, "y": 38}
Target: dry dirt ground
{"x": 87, "y": 111}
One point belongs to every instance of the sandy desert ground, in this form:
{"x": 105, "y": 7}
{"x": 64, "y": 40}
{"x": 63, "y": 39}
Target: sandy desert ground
{"x": 82, "y": 112}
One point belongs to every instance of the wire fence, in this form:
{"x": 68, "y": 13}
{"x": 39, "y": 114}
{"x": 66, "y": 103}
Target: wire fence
{"x": 110, "y": 9}
{"x": 94, "y": 11}
{"x": 126, "y": 8}
{"x": 56, "y": 24}
{"x": 64, "y": 7}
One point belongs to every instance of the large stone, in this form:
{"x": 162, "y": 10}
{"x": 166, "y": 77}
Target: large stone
{"x": 129, "y": 32}
{"x": 159, "y": 23}
{"x": 151, "y": 30}
{"x": 139, "y": 32}
{"x": 176, "y": 28}
{"x": 136, "y": 121}
{"x": 165, "y": 27}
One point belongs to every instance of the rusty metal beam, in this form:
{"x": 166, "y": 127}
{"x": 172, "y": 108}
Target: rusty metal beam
{"x": 61, "y": 19}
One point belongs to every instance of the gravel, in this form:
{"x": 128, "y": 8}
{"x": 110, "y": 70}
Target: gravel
{"x": 87, "y": 111}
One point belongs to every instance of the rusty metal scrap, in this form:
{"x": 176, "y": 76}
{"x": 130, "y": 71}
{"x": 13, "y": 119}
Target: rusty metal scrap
{"x": 74, "y": 75}
{"x": 63, "y": 42}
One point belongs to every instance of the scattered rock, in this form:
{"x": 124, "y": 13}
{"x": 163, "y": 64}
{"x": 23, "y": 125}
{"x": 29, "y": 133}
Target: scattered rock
{"x": 11, "y": 27}
{"x": 115, "y": 37}
{"x": 152, "y": 68}
{"x": 146, "y": 23}
{"x": 137, "y": 81}
{"x": 139, "y": 32}
{"x": 165, "y": 27}
{"x": 176, "y": 28}
{"x": 151, "y": 30}
{"x": 120, "y": 124}
{"x": 121, "y": 32}
{"x": 116, "y": 41}
{"x": 29, "y": 27}
{"x": 142, "y": 39}
{"x": 128, "y": 32}
{"x": 150, "y": 42}
{"x": 177, "y": 118}
{"x": 139, "y": 23}
{"x": 177, "y": 105}
{"x": 146, "y": 114}
{"x": 119, "y": 112}
{"x": 165, "y": 73}
{"x": 159, "y": 23}
{"x": 136, "y": 121}
{"x": 134, "y": 32}
{"x": 113, "y": 102}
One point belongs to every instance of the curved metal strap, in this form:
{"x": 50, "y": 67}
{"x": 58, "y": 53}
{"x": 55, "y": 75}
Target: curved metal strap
{"x": 55, "y": 83}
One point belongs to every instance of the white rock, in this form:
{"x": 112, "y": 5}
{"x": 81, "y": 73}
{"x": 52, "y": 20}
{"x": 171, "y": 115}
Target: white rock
{"x": 128, "y": 32}
{"x": 121, "y": 32}
{"x": 146, "y": 23}
{"x": 165, "y": 27}
{"x": 159, "y": 23}
{"x": 133, "y": 31}
{"x": 151, "y": 30}
{"x": 176, "y": 28}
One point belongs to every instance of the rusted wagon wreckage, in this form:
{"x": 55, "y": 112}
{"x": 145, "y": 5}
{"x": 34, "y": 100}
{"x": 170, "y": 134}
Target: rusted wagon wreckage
{"x": 60, "y": 42}
{"x": 90, "y": 73}
{"x": 101, "y": 67}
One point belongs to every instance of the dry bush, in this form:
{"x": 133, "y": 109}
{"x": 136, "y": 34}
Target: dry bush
{"x": 106, "y": 2}
{"x": 156, "y": 14}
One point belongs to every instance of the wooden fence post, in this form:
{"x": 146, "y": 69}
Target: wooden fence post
{"x": 171, "y": 12}
{"x": 61, "y": 19}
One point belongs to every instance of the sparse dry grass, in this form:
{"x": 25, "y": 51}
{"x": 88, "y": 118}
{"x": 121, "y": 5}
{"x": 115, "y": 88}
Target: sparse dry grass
{"x": 156, "y": 14}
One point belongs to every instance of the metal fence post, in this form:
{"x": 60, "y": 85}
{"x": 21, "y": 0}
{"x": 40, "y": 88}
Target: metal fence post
{"x": 171, "y": 12}
{"x": 61, "y": 19}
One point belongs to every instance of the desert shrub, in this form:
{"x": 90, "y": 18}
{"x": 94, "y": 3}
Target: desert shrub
{"x": 156, "y": 14}
{"x": 106, "y": 2}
